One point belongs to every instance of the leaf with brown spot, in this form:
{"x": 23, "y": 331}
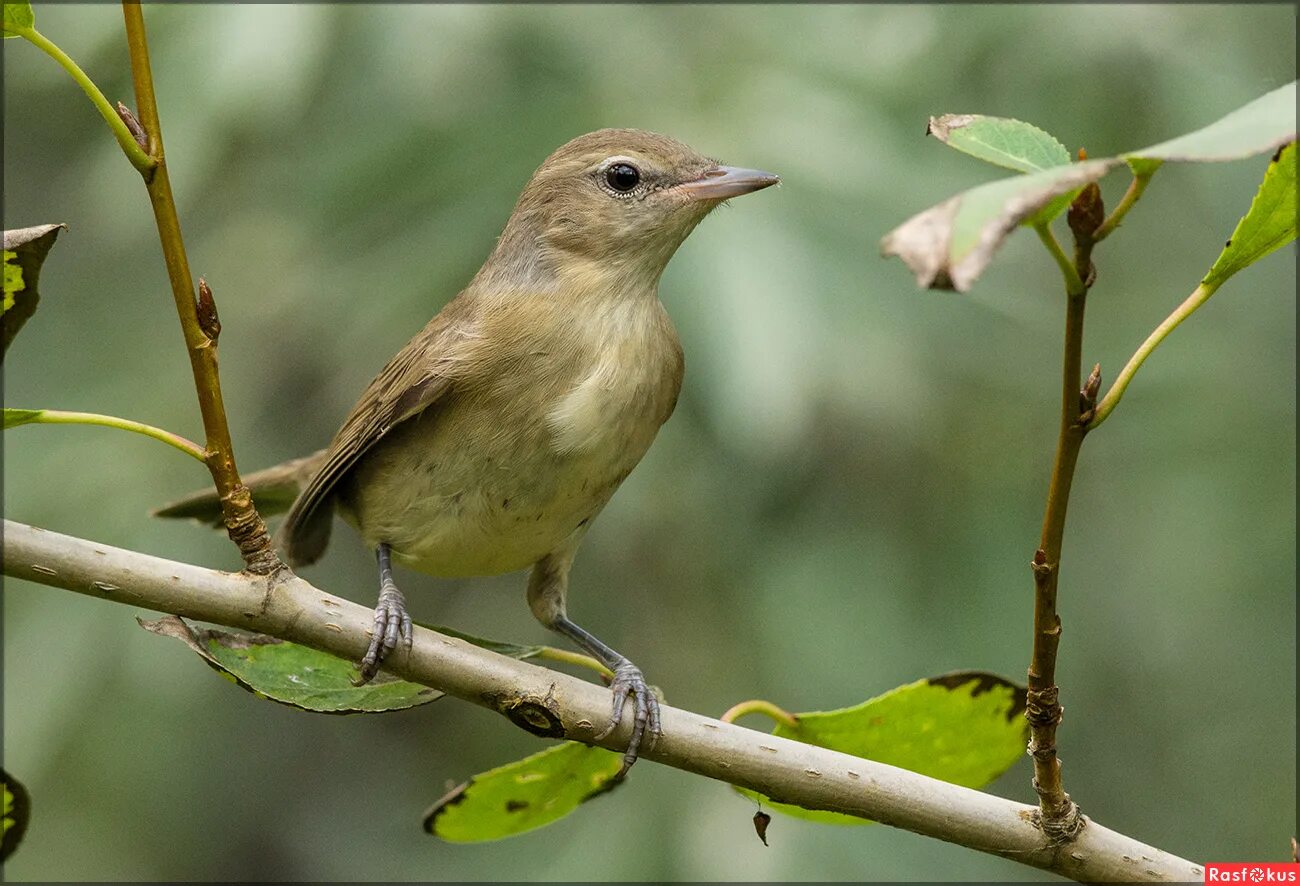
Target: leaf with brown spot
{"x": 965, "y": 728}
{"x": 24, "y": 253}
{"x": 17, "y": 813}
{"x": 524, "y": 795}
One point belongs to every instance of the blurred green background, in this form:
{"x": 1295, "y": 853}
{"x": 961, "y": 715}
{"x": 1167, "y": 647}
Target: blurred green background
{"x": 846, "y": 499}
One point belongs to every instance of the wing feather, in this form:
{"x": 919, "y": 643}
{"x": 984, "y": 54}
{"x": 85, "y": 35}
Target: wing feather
{"x": 422, "y": 373}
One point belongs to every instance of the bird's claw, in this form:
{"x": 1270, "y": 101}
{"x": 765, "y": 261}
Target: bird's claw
{"x": 392, "y": 622}
{"x": 628, "y": 680}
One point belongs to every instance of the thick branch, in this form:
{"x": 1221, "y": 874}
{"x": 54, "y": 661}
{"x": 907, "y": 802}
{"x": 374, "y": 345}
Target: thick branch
{"x": 242, "y": 521}
{"x": 285, "y": 606}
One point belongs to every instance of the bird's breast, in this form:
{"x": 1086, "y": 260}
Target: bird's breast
{"x": 627, "y": 374}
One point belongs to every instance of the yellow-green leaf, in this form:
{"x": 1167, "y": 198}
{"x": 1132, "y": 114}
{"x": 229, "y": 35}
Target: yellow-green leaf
{"x": 524, "y": 795}
{"x": 17, "y": 813}
{"x": 1269, "y": 223}
{"x": 966, "y": 728}
{"x": 13, "y": 278}
{"x": 17, "y": 15}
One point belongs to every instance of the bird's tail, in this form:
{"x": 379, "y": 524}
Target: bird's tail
{"x": 274, "y": 490}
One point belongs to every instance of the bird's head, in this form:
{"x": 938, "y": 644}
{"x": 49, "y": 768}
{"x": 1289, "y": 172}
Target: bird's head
{"x": 620, "y": 199}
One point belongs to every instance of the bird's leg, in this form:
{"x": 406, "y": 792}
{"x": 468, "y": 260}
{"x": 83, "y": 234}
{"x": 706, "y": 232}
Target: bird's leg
{"x": 546, "y": 590}
{"x": 628, "y": 680}
{"x": 392, "y": 621}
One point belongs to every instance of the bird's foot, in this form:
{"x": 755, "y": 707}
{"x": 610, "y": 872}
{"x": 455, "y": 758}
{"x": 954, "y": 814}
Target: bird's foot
{"x": 628, "y": 680}
{"x": 392, "y": 622}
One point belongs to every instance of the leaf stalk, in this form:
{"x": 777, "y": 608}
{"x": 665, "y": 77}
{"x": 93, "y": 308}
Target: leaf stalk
{"x": 59, "y": 417}
{"x": 1108, "y": 403}
{"x": 139, "y": 159}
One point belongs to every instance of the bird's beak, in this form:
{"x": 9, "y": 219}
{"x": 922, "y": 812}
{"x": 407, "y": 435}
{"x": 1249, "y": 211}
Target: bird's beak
{"x": 722, "y": 182}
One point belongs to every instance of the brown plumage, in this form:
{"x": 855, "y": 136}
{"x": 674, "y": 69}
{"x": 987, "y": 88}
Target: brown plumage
{"x": 495, "y": 436}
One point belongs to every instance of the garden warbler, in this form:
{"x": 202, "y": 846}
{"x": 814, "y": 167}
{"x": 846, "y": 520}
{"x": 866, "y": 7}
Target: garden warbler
{"x": 498, "y": 433}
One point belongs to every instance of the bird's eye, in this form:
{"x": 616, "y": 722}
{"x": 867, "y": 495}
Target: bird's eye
{"x": 622, "y": 177}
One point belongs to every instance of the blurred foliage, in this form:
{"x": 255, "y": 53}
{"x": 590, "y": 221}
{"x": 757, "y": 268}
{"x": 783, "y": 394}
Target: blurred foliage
{"x": 846, "y": 499}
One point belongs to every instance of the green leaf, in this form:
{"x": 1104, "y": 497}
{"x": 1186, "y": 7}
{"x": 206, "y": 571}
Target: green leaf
{"x": 17, "y": 813}
{"x": 949, "y": 245}
{"x": 291, "y": 674}
{"x": 18, "y": 15}
{"x": 16, "y": 417}
{"x": 524, "y": 795}
{"x": 1269, "y": 223}
{"x": 966, "y": 728}
{"x": 1001, "y": 141}
{"x": 305, "y": 678}
{"x": 24, "y": 253}
{"x": 1265, "y": 124}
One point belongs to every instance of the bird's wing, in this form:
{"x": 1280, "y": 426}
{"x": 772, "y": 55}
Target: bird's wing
{"x": 421, "y": 374}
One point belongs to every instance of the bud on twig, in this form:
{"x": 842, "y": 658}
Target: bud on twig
{"x": 1087, "y": 212}
{"x": 1088, "y": 393}
{"x": 137, "y": 131}
{"x": 1086, "y": 216}
{"x": 206, "y": 309}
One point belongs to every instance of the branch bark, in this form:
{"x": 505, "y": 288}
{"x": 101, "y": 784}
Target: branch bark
{"x": 283, "y": 605}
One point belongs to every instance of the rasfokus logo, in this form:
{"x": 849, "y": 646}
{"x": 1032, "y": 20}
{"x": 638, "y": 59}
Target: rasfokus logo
{"x": 1252, "y": 872}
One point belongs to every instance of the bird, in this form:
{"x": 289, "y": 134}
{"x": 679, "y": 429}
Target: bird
{"x": 499, "y": 432}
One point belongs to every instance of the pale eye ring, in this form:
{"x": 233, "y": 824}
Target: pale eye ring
{"x": 622, "y": 177}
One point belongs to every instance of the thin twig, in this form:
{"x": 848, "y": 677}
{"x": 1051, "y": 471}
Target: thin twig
{"x": 1181, "y": 313}
{"x": 1059, "y": 816}
{"x": 241, "y": 518}
{"x": 287, "y": 607}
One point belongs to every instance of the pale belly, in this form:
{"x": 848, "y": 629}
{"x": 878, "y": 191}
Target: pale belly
{"x": 475, "y": 488}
